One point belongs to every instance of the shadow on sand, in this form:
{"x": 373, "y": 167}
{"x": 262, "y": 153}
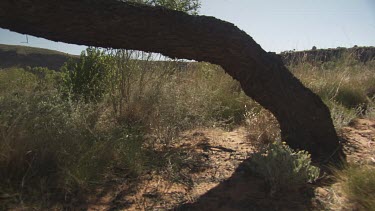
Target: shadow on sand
{"x": 243, "y": 191}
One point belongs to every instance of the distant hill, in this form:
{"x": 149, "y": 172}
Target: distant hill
{"x": 363, "y": 54}
{"x": 23, "y": 56}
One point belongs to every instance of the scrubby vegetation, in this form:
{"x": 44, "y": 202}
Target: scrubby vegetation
{"x": 113, "y": 113}
{"x": 357, "y": 185}
{"x": 283, "y": 168}
{"x": 345, "y": 85}
{"x": 62, "y": 132}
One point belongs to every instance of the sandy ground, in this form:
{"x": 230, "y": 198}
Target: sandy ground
{"x": 216, "y": 180}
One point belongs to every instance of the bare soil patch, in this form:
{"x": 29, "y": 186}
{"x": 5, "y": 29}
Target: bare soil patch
{"x": 215, "y": 177}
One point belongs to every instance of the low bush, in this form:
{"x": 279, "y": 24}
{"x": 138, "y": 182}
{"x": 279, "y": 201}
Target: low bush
{"x": 87, "y": 78}
{"x": 283, "y": 168}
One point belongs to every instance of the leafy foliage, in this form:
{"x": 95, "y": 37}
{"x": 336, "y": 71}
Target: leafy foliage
{"x": 88, "y": 77}
{"x": 188, "y": 6}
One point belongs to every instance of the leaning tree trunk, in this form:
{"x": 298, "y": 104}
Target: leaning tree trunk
{"x": 304, "y": 120}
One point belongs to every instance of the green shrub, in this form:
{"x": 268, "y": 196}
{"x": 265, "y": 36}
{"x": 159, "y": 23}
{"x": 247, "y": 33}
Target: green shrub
{"x": 282, "y": 168}
{"x": 188, "y": 6}
{"x": 87, "y": 78}
{"x": 47, "y": 79}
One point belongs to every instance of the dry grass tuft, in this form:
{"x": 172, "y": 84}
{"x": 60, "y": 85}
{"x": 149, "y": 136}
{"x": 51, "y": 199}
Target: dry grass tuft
{"x": 355, "y": 188}
{"x": 346, "y": 86}
{"x": 263, "y": 128}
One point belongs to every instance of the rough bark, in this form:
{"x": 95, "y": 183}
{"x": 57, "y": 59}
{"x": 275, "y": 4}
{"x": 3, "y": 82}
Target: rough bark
{"x": 304, "y": 120}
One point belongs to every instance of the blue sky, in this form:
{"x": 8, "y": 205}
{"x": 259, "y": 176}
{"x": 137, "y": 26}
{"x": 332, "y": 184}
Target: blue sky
{"x": 277, "y": 25}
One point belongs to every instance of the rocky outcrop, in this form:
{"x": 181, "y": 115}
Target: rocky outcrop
{"x": 362, "y": 54}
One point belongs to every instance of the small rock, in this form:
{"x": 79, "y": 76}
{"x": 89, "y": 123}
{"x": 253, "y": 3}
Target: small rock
{"x": 321, "y": 192}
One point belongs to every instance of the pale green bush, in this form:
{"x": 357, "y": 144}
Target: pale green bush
{"x": 283, "y": 168}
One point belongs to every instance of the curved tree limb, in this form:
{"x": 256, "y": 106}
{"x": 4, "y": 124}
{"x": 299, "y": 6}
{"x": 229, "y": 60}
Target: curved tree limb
{"x": 304, "y": 120}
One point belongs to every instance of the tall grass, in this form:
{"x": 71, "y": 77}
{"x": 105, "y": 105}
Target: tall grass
{"x": 55, "y": 148}
{"x": 347, "y": 88}
{"x": 355, "y": 188}
{"x": 167, "y": 97}
{"x": 345, "y": 85}
{"x": 52, "y": 148}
